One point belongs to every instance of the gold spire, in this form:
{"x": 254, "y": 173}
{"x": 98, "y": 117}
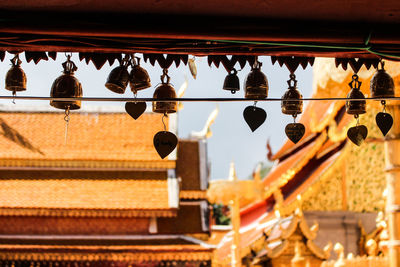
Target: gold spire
{"x": 298, "y": 260}
{"x": 232, "y": 172}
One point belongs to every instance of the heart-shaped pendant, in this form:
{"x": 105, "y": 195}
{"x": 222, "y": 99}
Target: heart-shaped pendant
{"x": 357, "y": 134}
{"x": 254, "y": 116}
{"x": 165, "y": 142}
{"x": 384, "y": 122}
{"x": 135, "y": 109}
{"x": 295, "y": 131}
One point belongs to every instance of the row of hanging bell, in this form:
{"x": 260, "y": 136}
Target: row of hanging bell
{"x": 381, "y": 86}
{"x": 119, "y": 78}
{"x": 255, "y": 84}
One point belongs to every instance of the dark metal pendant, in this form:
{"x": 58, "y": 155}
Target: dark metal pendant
{"x": 384, "y": 121}
{"x": 295, "y": 131}
{"x": 357, "y": 134}
{"x": 254, "y": 117}
{"x": 135, "y": 109}
{"x": 165, "y": 142}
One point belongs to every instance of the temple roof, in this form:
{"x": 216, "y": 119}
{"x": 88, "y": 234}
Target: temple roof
{"x": 88, "y": 197}
{"x": 96, "y": 138}
{"x": 300, "y": 168}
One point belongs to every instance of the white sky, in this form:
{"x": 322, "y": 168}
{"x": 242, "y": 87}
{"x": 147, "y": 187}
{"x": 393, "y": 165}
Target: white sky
{"x": 232, "y": 139}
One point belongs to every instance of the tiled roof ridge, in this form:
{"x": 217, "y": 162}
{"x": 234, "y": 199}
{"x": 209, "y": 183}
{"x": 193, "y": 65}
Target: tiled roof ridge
{"x": 42, "y": 108}
{"x": 146, "y": 180}
{"x": 91, "y": 213}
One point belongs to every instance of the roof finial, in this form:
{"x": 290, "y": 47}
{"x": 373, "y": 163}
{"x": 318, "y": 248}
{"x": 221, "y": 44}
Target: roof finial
{"x": 298, "y": 260}
{"x": 232, "y": 172}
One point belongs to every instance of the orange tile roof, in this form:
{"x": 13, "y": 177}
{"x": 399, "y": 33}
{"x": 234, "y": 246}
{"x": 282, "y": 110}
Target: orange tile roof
{"x": 38, "y": 139}
{"x": 138, "y": 254}
{"x": 84, "y": 194}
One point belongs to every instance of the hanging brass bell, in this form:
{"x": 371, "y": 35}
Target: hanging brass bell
{"x": 139, "y": 79}
{"x": 291, "y": 101}
{"x": 164, "y": 91}
{"x": 66, "y": 86}
{"x": 355, "y": 107}
{"x": 16, "y": 77}
{"x": 118, "y": 78}
{"x": 382, "y": 85}
{"x": 231, "y": 82}
{"x": 256, "y": 83}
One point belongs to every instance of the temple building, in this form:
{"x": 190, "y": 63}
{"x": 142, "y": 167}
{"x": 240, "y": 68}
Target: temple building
{"x": 100, "y": 195}
{"x": 324, "y": 180}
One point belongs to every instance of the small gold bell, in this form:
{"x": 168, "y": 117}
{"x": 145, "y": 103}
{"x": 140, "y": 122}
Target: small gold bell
{"x": 118, "y": 78}
{"x": 355, "y": 107}
{"x": 139, "y": 79}
{"x": 382, "y": 85}
{"x": 164, "y": 91}
{"x": 256, "y": 83}
{"x": 231, "y": 82}
{"x": 291, "y": 101}
{"x": 66, "y": 86}
{"x": 16, "y": 77}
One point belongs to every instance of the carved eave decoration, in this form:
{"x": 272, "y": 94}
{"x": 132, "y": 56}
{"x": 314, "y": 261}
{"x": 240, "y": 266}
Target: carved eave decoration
{"x": 286, "y": 231}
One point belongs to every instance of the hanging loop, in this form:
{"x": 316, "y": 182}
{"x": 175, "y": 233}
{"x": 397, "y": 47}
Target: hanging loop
{"x": 16, "y": 61}
{"x": 382, "y": 64}
{"x": 165, "y": 76}
{"x": 292, "y": 82}
{"x": 125, "y": 61}
{"x": 355, "y": 83}
{"x": 69, "y": 66}
{"x": 257, "y": 64}
{"x": 383, "y": 102}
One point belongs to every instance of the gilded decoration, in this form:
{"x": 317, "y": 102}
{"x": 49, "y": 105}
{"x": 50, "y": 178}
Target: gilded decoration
{"x": 365, "y": 176}
{"x": 326, "y": 194}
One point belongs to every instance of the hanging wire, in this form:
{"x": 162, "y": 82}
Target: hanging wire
{"x": 66, "y": 119}
{"x": 357, "y": 117}
{"x": 383, "y": 102}
{"x": 201, "y": 99}
{"x": 163, "y": 122}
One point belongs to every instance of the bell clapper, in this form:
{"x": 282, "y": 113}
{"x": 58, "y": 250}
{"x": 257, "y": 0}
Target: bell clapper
{"x": 67, "y": 119}
{"x": 14, "y": 93}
